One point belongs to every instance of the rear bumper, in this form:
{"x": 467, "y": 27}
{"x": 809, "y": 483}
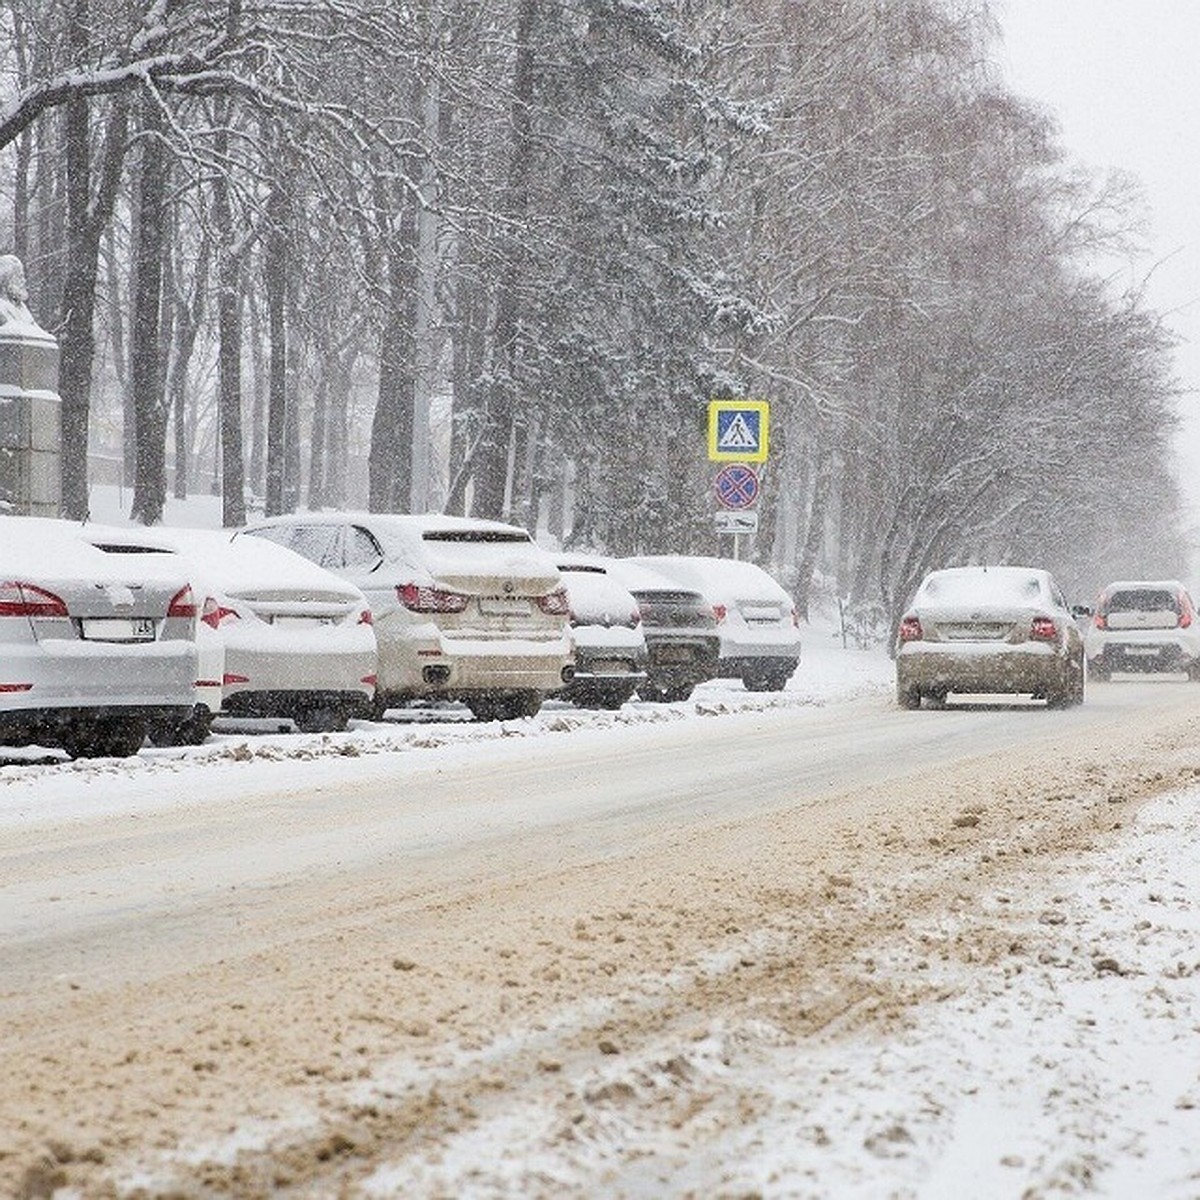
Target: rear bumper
{"x": 1144, "y": 655}
{"x": 1031, "y": 667}
{"x": 453, "y": 668}
{"x": 678, "y": 661}
{"x": 52, "y": 725}
{"x": 61, "y": 674}
{"x": 300, "y": 664}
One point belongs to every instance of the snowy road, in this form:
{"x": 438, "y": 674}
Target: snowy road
{"x": 574, "y": 956}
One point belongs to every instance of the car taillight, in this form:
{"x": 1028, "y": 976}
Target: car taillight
{"x": 635, "y": 618}
{"x": 1043, "y": 629}
{"x": 555, "y": 603}
{"x": 183, "y": 603}
{"x": 910, "y": 629}
{"x": 1099, "y": 621}
{"x": 720, "y": 612}
{"x": 795, "y": 617}
{"x": 430, "y": 599}
{"x": 28, "y": 600}
{"x": 365, "y": 617}
{"x": 213, "y": 613}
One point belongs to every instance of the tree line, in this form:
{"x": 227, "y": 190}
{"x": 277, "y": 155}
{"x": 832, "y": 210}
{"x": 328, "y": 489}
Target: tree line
{"x": 506, "y": 251}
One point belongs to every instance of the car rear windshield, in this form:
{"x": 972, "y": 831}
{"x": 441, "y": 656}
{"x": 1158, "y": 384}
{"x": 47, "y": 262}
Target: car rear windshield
{"x": 475, "y": 535}
{"x": 1142, "y": 600}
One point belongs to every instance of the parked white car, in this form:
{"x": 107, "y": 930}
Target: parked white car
{"x": 1142, "y": 625}
{"x": 464, "y": 609}
{"x": 756, "y": 618}
{"x": 92, "y": 651}
{"x": 280, "y": 636}
{"x": 610, "y": 644}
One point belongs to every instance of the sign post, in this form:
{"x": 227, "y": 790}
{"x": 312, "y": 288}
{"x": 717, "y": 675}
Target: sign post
{"x": 738, "y": 434}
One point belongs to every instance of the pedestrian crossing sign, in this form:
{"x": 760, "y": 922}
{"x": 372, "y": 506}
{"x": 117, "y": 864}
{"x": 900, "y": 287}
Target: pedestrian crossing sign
{"x": 737, "y": 430}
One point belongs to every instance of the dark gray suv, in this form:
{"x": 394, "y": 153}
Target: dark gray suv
{"x": 682, "y": 643}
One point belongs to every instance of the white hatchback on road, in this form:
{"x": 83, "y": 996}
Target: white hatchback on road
{"x": 1142, "y": 625}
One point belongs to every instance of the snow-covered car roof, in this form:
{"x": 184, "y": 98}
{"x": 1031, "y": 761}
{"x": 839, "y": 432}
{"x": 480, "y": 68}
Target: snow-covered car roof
{"x": 985, "y": 585}
{"x": 47, "y": 548}
{"x": 638, "y": 578}
{"x": 596, "y": 594}
{"x": 406, "y": 527}
{"x": 230, "y": 564}
{"x": 719, "y": 579}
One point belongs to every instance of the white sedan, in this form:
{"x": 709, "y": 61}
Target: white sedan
{"x": 295, "y": 641}
{"x": 93, "y": 651}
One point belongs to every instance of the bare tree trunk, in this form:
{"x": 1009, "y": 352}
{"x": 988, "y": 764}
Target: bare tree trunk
{"x": 150, "y": 410}
{"x": 229, "y": 352}
{"x": 275, "y": 270}
{"x": 491, "y": 466}
{"x": 86, "y": 219}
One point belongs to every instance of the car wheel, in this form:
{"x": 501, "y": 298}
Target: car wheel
{"x": 1193, "y": 671}
{"x": 908, "y": 697}
{"x": 937, "y": 698}
{"x": 611, "y": 699}
{"x": 680, "y": 691}
{"x": 652, "y": 693}
{"x": 322, "y": 718}
{"x": 105, "y": 737}
{"x": 192, "y": 731}
{"x": 505, "y": 707}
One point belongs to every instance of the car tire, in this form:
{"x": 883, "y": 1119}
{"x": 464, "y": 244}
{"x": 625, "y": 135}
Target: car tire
{"x": 192, "y": 731}
{"x": 507, "y": 707}
{"x": 767, "y": 681}
{"x": 322, "y": 718}
{"x": 105, "y": 737}
{"x": 1193, "y": 671}
{"x": 908, "y": 697}
{"x": 652, "y": 693}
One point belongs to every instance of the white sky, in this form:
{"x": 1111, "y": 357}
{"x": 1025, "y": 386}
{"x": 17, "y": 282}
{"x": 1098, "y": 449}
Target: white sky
{"x": 1123, "y": 78}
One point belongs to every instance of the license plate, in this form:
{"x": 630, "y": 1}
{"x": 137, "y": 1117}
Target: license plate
{"x": 287, "y": 622}
{"x": 503, "y": 606}
{"x": 674, "y": 654}
{"x": 611, "y": 666}
{"x": 118, "y": 629}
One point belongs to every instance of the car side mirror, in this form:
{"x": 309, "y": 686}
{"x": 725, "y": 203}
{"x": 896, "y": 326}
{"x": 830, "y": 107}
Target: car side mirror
{"x": 1081, "y": 610}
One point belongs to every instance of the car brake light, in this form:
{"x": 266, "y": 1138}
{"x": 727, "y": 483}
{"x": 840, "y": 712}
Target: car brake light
{"x": 183, "y": 603}
{"x": 1043, "y": 629}
{"x": 213, "y": 613}
{"x": 16, "y": 687}
{"x": 555, "y": 603}
{"x": 430, "y": 599}
{"x": 1099, "y": 621}
{"x": 28, "y": 600}
{"x": 370, "y": 680}
{"x": 910, "y": 629}
{"x": 365, "y": 617}
{"x": 229, "y": 678}
{"x": 720, "y": 612}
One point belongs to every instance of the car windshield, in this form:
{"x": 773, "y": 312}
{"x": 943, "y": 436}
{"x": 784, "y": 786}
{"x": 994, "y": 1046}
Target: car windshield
{"x": 1142, "y": 600}
{"x": 476, "y": 535}
{"x": 981, "y": 587}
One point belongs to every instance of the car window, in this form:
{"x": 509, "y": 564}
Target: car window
{"x": 1142, "y": 600}
{"x": 318, "y": 543}
{"x": 490, "y": 536}
{"x": 362, "y": 550}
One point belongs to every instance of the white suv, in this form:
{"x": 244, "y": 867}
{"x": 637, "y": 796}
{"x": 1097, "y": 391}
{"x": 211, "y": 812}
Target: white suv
{"x": 463, "y": 609}
{"x": 1143, "y": 625}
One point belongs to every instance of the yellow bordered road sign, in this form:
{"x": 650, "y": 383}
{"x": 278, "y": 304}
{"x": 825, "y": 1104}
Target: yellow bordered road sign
{"x": 737, "y": 430}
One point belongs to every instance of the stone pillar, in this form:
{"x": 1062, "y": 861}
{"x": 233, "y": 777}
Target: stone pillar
{"x": 30, "y": 408}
